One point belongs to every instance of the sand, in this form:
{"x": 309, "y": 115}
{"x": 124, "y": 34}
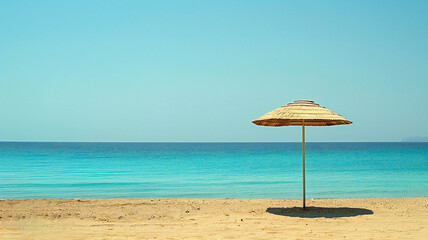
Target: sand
{"x": 214, "y": 219}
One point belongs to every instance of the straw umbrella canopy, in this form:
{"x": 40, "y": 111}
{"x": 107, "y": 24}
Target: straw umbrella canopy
{"x": 301, "y": 113}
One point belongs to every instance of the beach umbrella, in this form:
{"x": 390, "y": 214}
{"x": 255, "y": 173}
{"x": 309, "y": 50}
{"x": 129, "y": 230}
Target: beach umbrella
{"x": 301, "y": 113}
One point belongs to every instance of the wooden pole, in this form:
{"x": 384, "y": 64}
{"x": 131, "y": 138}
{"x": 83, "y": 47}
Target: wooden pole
{"x": 303, "y": 149}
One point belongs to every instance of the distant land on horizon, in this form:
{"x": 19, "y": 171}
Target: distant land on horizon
{"x": 415, "y": 139}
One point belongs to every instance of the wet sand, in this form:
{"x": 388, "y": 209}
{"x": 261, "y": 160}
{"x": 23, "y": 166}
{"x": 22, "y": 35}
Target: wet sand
{"x": 214, "y": 219}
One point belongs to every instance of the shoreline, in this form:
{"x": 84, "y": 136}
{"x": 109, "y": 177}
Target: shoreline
{"x": 189, "y": 198}
{"x": 178, "y": 218}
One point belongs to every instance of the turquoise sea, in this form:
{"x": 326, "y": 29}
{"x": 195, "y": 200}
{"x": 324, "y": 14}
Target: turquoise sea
{"x": 212, "y": 170}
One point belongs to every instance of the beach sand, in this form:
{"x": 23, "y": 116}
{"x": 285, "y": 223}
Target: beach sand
{"x": 214, "y": 219}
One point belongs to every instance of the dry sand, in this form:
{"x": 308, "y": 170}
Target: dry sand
{"x": 214, "y": 219}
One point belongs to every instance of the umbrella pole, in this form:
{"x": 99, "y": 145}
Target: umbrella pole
{"x": 303, "y": 149}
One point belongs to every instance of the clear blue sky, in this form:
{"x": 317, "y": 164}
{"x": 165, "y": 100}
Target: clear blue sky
{"x": 202, "y": 70}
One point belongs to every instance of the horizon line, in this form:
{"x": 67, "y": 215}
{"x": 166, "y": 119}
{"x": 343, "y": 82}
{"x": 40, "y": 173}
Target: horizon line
{"x": 18, "y": 141}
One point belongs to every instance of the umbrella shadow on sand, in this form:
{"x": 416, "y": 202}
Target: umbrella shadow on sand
{"x": 319, "y": 212}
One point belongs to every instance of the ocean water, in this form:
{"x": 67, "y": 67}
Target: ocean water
{"x": 212, "y": 170}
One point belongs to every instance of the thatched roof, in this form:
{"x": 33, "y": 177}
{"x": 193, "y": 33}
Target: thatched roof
{"x": 293, "y": 114}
